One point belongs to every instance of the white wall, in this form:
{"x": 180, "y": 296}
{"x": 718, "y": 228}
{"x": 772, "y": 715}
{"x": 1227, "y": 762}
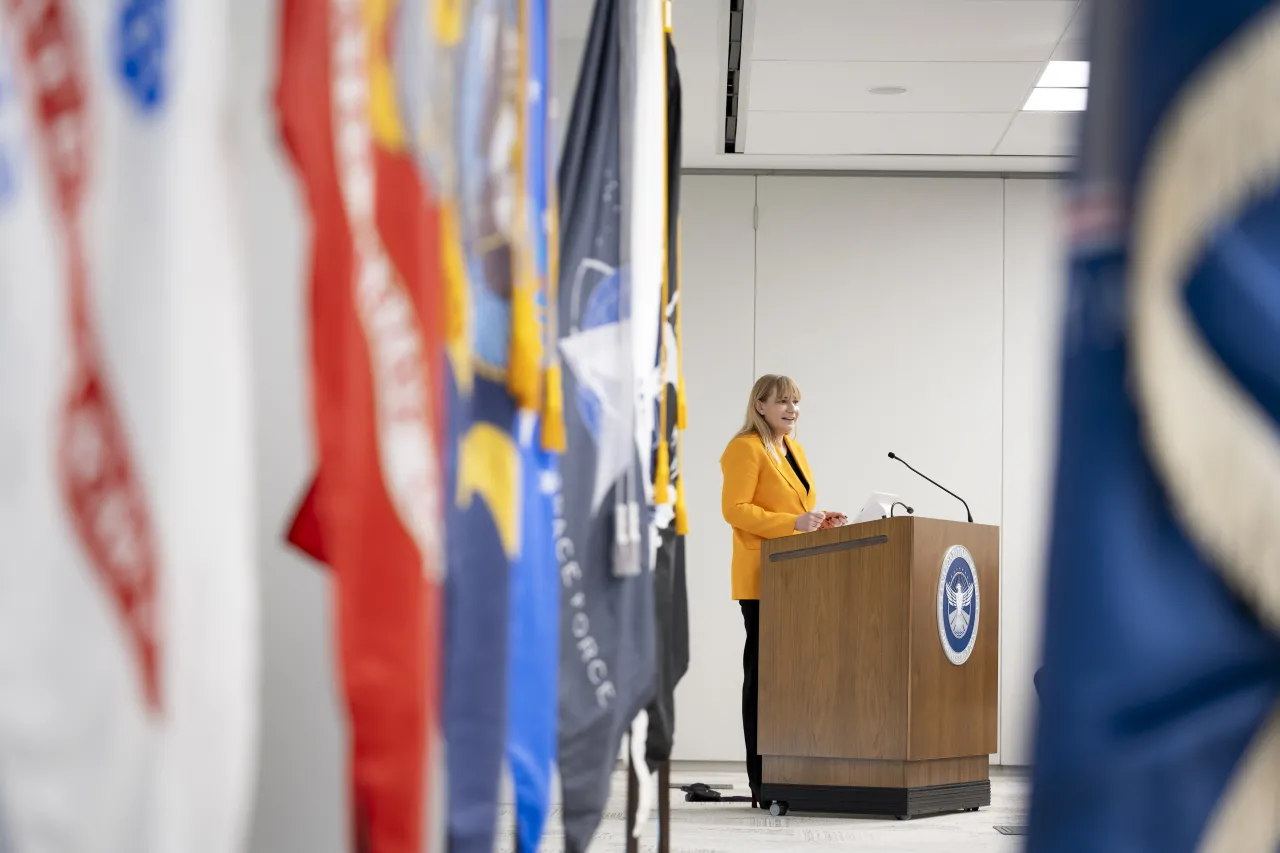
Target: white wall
{"x": 918, "y": 315}
{"x": 1034, "y": 300}
{"x": 881, "y": 297}
{"x": 718, "y": 261}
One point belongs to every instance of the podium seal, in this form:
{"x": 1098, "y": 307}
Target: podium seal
{"x": 959, "y": 604}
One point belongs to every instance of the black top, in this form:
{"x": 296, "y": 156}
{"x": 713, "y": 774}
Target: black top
{"x": 795, "y": 466}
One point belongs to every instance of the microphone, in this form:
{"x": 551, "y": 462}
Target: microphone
{"x": 967, "y": 512}
{"x": 896, "y": 504}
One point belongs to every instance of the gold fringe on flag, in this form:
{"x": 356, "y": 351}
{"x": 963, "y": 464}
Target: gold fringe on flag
{"x": 524, "y": 360}
{"x": 457, "y": 303}
{"x": 662, "y": 476}
{"x": 682, "y": 514}
{"x": 553, "y": 434}
{"x": 682, "y": 416}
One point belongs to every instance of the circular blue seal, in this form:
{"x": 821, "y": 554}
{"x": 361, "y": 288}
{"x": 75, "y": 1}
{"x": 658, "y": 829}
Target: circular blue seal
{"x": 959, "y": 604}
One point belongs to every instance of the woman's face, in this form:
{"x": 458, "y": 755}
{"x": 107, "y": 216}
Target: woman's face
{"x": 781, "y": 412}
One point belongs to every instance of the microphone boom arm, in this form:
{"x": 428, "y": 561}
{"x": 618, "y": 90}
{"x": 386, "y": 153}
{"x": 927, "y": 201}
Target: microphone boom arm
{"x": 967, "y": 511}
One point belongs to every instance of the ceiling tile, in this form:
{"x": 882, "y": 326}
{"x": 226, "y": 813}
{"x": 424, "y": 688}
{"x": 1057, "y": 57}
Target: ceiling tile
{"x": 911, "y": 30}
{"x": 874, "y": 133}
{"x": 1041, "y": 134}
{"x": 932, "y": 87}
{"x": 1075, "y": 43}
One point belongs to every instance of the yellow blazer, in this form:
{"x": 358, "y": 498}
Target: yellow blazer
{"x": 761, "y": 499}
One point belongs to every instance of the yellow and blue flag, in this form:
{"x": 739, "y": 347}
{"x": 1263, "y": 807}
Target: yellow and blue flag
{"x": 1159, "y": 726}
{"x": 483, "y": 470}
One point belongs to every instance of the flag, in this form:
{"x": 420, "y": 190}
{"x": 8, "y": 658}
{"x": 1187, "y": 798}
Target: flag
{"x": 489, "y": 327}
{"x": 534, "y": 642}
{"x": 534, "y": 639}
{"x": 670, "y": 589}
{"x": 1159, "y": 726}
{"x": 373, "y": 511}
{"x": 128, "y": 646}
{"x": 607, "y": 609}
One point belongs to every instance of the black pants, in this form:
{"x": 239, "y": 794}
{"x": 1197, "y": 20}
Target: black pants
{"x": 751, "y": 690}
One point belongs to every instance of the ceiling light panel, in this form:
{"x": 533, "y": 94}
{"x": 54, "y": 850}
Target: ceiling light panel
{"x": 1065, "y": 75}
{"x": 1057, "y": 100}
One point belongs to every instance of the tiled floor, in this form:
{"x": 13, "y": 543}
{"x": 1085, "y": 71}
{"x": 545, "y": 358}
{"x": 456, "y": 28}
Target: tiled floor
{"x": 736, "y": 828}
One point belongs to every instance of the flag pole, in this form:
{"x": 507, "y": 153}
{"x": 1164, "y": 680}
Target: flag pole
{"x": 633, "y": 801}
{"x": 664, "y": 806}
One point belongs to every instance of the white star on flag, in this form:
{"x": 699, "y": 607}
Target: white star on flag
{"x": 597, "y": 358}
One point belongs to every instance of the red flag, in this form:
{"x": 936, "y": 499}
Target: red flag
{"x": 372, "y": 513}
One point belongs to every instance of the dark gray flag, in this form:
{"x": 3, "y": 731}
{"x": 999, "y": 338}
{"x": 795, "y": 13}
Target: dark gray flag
{"x": 607, "y": 635}
{"x": 671, "y": 600}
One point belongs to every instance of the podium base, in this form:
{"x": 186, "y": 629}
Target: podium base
{"x": 901, "y": 803}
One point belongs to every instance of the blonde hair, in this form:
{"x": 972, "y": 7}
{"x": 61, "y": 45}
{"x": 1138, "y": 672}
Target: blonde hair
{"x": 767, "y": 387}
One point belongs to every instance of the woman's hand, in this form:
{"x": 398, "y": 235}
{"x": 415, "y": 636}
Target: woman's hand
{"x": 834, "y": 519}
{"x": 810, "y": 521}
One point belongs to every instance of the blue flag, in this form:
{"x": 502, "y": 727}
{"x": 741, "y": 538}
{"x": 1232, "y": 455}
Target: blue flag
{"x": 534, "y": 641}
{"x": 1158, "y": 724}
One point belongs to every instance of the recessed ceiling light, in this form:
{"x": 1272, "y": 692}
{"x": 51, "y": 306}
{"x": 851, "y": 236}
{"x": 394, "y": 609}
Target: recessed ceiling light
{"x": 1065, "y": 75}
{"x": 887, "y": 90}
{"x": 1057, "y": 100}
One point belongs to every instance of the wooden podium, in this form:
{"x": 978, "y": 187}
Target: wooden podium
{"x": 868, "y": 705}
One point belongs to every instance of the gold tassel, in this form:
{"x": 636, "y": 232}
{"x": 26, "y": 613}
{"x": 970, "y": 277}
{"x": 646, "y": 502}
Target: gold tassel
{"x": 526, "y": 350}
{"x": 662, "y": 477}
{"x": 682, "y": 514}
{"x": 553, "y": 437}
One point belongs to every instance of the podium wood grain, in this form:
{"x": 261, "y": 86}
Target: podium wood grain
{"x": 833, "y": 670}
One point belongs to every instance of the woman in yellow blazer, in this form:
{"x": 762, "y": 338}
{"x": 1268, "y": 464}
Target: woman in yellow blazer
{"x": 768, "y": 493}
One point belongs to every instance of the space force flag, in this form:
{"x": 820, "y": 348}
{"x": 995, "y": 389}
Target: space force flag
{"x": 607, "y": 618}
{"x": 128, "y": 605}
{"x": 1159, "y": 727}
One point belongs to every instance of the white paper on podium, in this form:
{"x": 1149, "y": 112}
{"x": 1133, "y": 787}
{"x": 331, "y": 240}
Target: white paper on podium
{"x": 878, "y": 506}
